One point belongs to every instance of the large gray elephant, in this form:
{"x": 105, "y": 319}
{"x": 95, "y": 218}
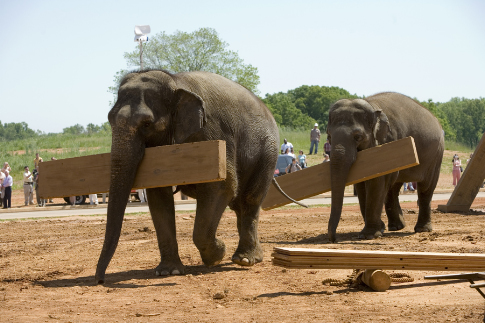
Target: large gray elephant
{"x": 156, "y": 108}
{"x": 359, "y": 124}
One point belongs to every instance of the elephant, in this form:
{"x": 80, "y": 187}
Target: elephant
{"x": 156, "y": 108}
{"x": 355, "y": 125}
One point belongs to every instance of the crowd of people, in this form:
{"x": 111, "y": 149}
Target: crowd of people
{"x": 31, "y": 187}
{"x": 298, "y": 163}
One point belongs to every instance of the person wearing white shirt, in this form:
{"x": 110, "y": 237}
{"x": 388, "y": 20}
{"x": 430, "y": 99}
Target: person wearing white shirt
{"x": 286, "y": 145}
{"x": 7, "y": 184}
{"x": 28, "y": 186}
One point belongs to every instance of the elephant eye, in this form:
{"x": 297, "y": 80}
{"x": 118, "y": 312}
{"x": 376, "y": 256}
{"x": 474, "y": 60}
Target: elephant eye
{"x": 358, "y": 138}
{"x": 147, "y": 124}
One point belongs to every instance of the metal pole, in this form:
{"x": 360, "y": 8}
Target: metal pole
{"x": 141, "y": 55}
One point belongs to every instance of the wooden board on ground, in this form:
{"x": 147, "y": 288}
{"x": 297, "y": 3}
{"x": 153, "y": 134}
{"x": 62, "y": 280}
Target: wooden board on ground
{"x": 470, "y": 182}
{"x": 190, "y": 163}
{"x": 370, "y": 163}
{"x": 300, "y": 258}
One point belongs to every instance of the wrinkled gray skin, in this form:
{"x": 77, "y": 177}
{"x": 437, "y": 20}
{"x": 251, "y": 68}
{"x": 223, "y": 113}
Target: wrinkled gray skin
{"x": 355, "y": 125}
{"x": 155, "y": 108}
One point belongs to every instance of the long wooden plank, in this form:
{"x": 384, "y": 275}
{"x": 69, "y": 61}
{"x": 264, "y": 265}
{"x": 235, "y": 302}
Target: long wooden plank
{"x": 470, "y": 182}
{"x": 373, "y": 253}
{"x": 370, "y": 163}
{"x": 387, "y": 260}
{"x": 189, "y": 163}
{"x": 378, "y": 266}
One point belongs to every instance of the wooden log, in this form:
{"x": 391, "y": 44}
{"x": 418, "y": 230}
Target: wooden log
{"x": 469, "y": 184}
{"x": 376, "y": 279}
{"x": 370, "y": 163}
{"x": 190, "y": 163}
{"x": 299, "y": 258}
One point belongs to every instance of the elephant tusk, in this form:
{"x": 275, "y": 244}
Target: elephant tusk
{"x": 275, "y": 183}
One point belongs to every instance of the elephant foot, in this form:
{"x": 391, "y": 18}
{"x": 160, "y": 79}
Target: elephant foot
{"x": 213, "y": 255}
{"x": 248, "y": 257}
{"x": 427, "y": 227}
{"x": 371, "y": 233}
{"x": 397, "y": 224}
{"x": 166, "y": 269}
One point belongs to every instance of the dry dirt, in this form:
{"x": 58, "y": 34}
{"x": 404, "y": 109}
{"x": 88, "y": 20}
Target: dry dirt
{"x": 47, "y": 268}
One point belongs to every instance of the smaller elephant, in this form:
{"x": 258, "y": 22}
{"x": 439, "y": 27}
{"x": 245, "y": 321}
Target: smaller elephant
{"x": 355, "y": 125}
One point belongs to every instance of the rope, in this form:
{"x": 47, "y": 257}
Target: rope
{"x": 355, "y": 279}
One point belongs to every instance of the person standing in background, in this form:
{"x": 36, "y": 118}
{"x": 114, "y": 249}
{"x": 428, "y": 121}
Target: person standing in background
{"x": 28, "y": 187}
{"x": 456, "y": 169}
{"x": 37, "y": 160}
{"x": 327, "y": 147}
{"x": 7, "y": 184}
{"x": 2, "y": 191}
{"x": 314, "y": 139}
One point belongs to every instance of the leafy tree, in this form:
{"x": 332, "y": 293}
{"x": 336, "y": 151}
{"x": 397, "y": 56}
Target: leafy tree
{"x": 105, "y": 127}
{"x": 13, "y": 131}
{"x": 283, "y": 108}
{"x": 466, "y": 118}
{"x": 315, "y": 100}
{"x": 450, "y": 133}
{"x": 74, "y": 130}
{"x": 201, "y": 50}
{"x": 92, "y": 128}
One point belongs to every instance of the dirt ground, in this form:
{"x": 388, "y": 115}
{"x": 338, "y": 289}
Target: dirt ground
{"x": 47, "y": 268}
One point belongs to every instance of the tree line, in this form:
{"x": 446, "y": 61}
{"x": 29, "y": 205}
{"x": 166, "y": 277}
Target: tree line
{"x": 20, "y": 130}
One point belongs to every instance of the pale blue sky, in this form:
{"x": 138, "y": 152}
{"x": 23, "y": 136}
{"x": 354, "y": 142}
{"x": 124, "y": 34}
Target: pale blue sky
{"x": 57, "y": 58}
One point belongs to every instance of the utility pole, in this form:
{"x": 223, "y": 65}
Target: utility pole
{"x": 141, "y": 36}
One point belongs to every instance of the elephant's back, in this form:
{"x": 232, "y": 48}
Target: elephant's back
{"x": 409, "y": 118}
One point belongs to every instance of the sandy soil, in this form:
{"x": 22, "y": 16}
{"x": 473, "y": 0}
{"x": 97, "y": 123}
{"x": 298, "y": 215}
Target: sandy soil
{"x": 47, "y": 268}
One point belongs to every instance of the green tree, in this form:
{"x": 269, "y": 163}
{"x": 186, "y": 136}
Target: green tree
{"x": 92, "y": 128}
{"x": 201, "y": 50}
{"x": 74, "y": 130}
{"x": 13, "y": 131}
{"x": 450, "y": 133}
{"x": 285, "y": 113}
{"x": 315, "y": 100}
{"x": 467, "y": 118}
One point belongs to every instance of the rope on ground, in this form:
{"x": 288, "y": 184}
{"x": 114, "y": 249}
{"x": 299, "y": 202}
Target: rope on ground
{"x": 355, "y": 279}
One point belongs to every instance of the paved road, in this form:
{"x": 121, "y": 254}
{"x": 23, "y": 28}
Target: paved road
{"x": 68, "y": 211}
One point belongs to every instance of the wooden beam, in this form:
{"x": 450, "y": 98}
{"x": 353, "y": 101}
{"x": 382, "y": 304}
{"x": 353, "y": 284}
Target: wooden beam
{"x": 470, "y": 182}
{"x": 300, "y": 258}
{"x": 190, "y": 163}
{"x": 370, "y": 163}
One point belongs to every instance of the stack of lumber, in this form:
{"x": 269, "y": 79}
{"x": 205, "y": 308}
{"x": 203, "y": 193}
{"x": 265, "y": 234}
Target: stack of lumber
{"x": 301, "y": 258}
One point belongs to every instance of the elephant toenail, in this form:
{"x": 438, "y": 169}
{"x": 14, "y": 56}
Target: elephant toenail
{"x": 175, "y": 272}
{"x": 245, "y": 261}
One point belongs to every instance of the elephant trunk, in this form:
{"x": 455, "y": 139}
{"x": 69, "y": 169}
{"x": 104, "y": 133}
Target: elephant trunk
{"x": 342, "y": 158}
{"x": 125, "y": 158}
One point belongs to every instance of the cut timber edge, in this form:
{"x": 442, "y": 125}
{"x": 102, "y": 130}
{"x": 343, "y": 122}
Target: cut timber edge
{"x": 190, "y": 163}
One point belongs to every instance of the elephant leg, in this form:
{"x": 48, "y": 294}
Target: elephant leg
{"x": 374, "y": 226}
{"x": 249, "y": 250}
{"x": 211, "y": 203}
{"x": 393, "y": 209}
{"x": 162, "y": 210}
{"x": 360, "y": 189}
{"x": 425, "y": 195}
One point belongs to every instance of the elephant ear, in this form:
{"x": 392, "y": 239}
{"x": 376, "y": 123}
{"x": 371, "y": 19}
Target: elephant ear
{"x": 189, "y": 115}
{"x": 381, "y": 126}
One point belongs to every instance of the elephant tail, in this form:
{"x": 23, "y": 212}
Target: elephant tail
{"x": 275, "y": 183}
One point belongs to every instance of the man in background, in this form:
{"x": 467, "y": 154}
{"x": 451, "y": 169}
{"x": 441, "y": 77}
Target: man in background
{"x": 28, "y": 187}
{"x": 7, "y": 184}
{"x": 314, "y": 139}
